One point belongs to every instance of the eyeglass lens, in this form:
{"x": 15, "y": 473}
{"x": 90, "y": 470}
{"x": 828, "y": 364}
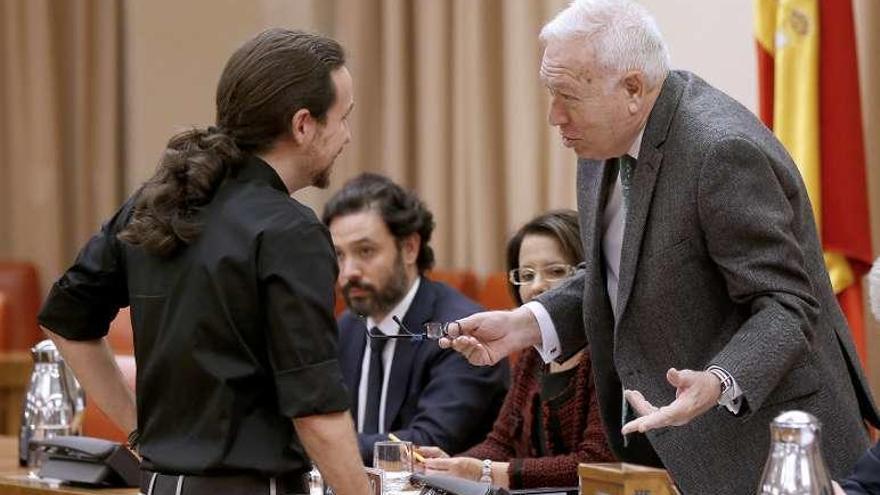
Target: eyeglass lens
{"x": 549, "y": 273}
{"x": 435, "y": 330}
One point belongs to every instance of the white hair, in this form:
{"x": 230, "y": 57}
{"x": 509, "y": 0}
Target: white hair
{"x": 622, "y": 32}
{"x": 874, "y": 289}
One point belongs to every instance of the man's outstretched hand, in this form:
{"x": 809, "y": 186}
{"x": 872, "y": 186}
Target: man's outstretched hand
{"x": 486, "y": 338}
{"x": 695, "y": 393}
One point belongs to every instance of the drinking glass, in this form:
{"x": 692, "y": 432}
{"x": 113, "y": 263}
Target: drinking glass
{"x": 396, "y": 460}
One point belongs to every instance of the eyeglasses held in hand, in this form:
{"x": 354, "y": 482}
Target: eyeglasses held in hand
{"x": 433, "y": 330}
{"x": 549, "y": 273}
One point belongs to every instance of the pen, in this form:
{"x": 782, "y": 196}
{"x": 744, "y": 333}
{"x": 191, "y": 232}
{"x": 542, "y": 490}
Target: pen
{"x": 419, "y": 457}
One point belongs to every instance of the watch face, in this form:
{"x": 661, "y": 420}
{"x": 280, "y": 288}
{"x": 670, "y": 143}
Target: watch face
{"x": 486, "y": 471}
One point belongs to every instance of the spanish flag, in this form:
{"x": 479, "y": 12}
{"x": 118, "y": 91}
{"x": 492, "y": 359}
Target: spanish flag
{"x": 809, "y": 96}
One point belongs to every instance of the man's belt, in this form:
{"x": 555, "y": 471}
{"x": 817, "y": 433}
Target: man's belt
{"x": 154, "y": 483}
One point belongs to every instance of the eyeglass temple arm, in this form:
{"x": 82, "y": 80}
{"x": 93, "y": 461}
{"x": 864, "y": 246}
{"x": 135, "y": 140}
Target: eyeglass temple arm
{"x": 404, "y": 327}
{"x": 380, "y": 335}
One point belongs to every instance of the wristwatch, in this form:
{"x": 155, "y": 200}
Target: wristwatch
{"x": 486, "y": 472}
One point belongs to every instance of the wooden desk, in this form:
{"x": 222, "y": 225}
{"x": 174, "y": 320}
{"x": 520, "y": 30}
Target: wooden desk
{"x": 15, "y": 373}
{"x": 13, "y": 479}
{"x": 617, "y": 478}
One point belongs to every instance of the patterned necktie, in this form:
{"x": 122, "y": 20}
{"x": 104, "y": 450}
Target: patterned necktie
{"x": 374, "y": 383}
{"x": 627, "y": 170}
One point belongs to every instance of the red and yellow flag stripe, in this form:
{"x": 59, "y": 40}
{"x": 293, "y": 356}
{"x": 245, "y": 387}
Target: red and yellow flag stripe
{"x": 809, "y": 96}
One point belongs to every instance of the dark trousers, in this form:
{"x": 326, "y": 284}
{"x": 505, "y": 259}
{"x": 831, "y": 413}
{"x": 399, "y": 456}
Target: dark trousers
{"x": 153, "y": 483}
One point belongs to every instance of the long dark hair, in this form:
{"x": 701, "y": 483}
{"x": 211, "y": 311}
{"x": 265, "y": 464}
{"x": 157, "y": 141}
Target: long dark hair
{"x": 562, "y": 225}
{"x": 265, "y": 82}
{"x": 401, "y": 210}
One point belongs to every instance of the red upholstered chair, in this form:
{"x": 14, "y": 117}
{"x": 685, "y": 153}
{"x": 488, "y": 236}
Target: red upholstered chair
{"x": 121, "y": 341}
{"x": 495, "y": 293}
{"x": 463, "y": 280}
{"x": 340, "y": 302}
{"x": 95, "y": 422}
{"x": 4, "y": 315}
{"x": 21, "y": 286}
{"x": 121, "y": 336}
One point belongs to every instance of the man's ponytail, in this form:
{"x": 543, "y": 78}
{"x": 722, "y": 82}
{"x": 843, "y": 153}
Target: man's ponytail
{"x": 191, "y": 169}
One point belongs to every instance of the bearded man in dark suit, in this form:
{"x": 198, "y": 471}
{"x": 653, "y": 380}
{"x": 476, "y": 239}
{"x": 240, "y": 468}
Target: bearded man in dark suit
{"x": 408, "y": 387}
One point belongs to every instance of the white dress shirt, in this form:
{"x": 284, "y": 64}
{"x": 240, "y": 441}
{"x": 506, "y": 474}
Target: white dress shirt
{"x": 613, "y": 225}
{"x": 388, "y": 327}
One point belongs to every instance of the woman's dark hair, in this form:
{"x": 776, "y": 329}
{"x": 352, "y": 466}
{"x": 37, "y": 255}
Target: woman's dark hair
{"x": 561, "y": 225}
{"x": 401, "y": 210}
{"x": 265, "y": 82}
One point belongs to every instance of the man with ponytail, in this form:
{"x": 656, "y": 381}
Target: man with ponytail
{"x": 238, "y": 383}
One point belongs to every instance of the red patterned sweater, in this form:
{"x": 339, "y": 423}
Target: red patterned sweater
{"x": 579, "y": 426}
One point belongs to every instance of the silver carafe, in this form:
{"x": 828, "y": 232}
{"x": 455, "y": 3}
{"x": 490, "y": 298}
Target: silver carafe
{"x": 53, "y": 404}
{"x": 316, "y": 482}
{"x": 795, "y": 465}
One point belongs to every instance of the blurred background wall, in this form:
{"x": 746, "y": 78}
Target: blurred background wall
{"x": 448, "y": 100}
{"x": 448, "y": 103}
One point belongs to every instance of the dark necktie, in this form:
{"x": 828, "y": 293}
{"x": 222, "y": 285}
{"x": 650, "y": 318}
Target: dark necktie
{"x": 627, "y": 166}
{"x": 374, "y": 384}
{"x": 627, "y": 169}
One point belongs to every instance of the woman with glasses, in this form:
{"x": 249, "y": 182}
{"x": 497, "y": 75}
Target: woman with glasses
{"x": 549, "y": 421}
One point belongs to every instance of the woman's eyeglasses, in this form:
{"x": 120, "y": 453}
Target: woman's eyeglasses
{"x": 549, "y": 273}
{"x": 433, "y": 330}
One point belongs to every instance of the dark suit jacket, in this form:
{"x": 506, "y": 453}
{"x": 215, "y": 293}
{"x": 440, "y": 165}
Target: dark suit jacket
{"x": 865, "y": 478}
{"x": 721, "y": 264}
{"x": 434, "y": 396}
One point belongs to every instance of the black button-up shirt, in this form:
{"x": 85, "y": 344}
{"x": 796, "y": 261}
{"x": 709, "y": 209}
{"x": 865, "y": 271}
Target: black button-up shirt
{"x": 234, "y": 335}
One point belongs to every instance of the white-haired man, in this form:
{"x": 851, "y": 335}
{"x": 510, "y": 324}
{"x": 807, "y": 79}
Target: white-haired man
{"x": 704, "y": 290}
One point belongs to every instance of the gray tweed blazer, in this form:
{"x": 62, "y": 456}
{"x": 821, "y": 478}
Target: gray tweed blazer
{"x": 721, "y": 264}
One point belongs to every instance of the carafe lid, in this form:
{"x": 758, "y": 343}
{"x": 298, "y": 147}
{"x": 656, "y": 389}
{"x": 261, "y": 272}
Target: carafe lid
{"x": 46, "y": 352}
{"x": 795, "y": 427}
